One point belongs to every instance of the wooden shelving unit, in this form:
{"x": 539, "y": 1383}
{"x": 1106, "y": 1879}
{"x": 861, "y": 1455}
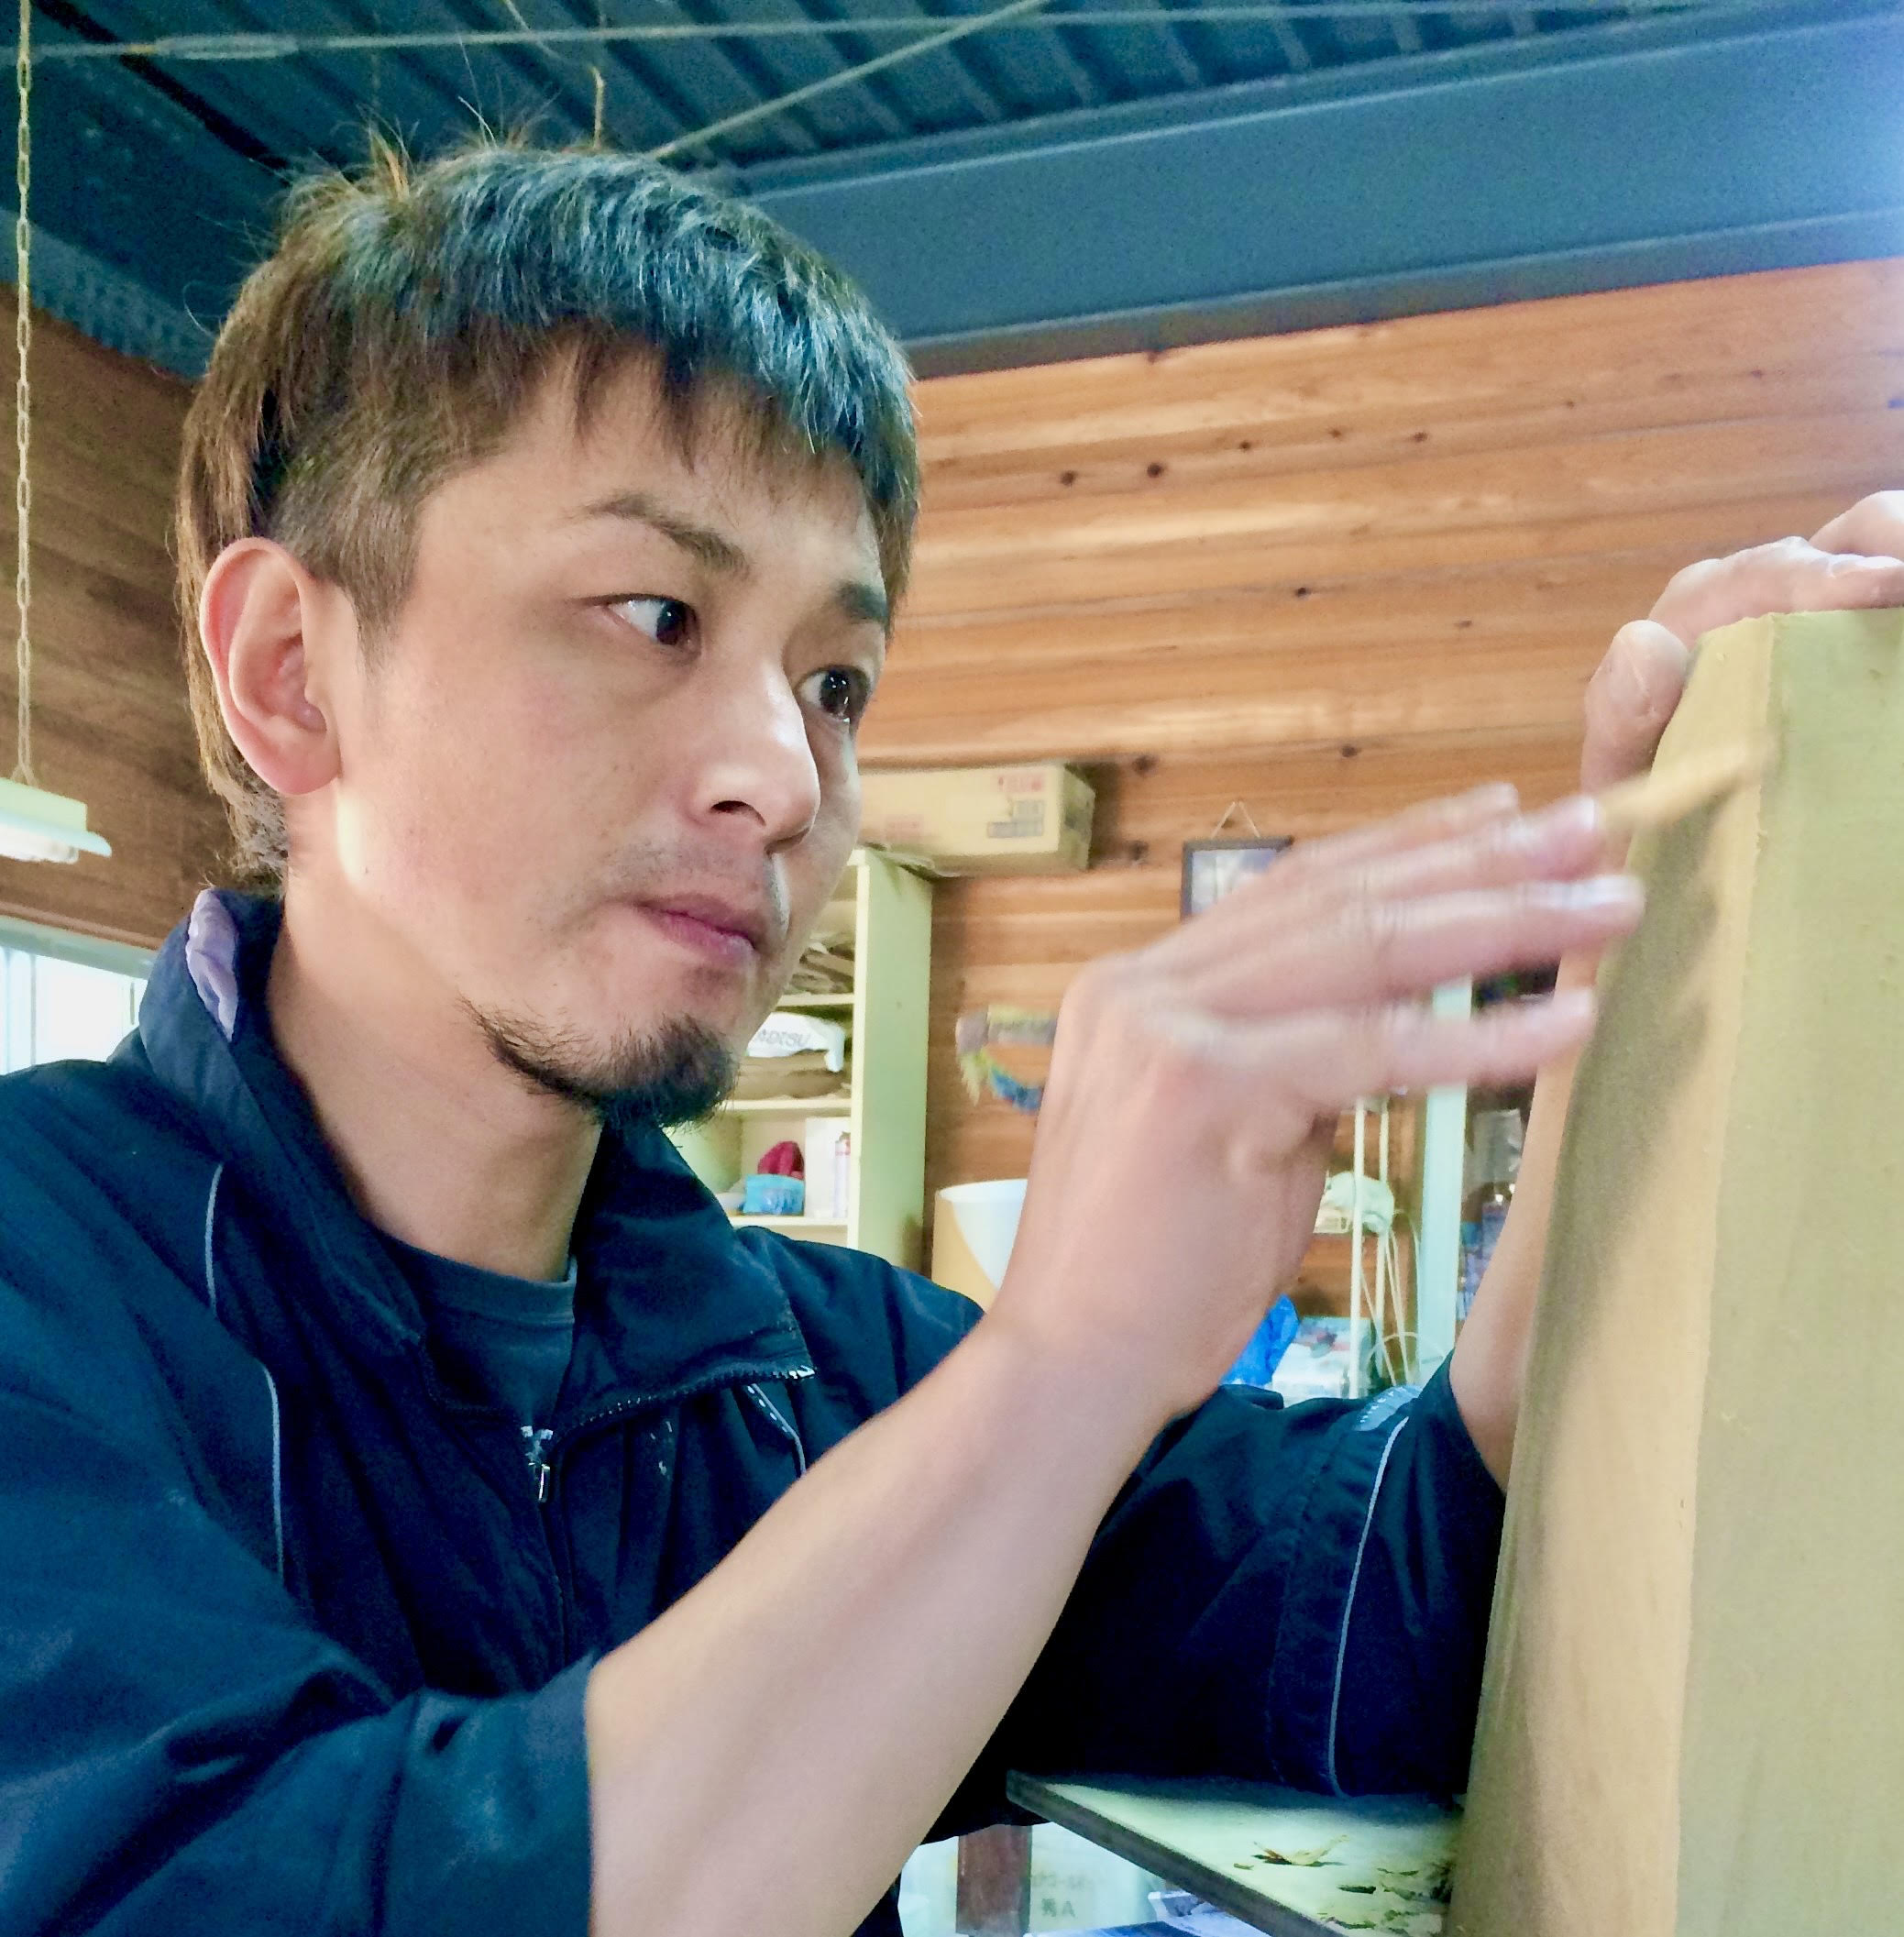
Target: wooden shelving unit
{"x": 889, "y": 909}
{"x": 833, "y": 1229}
{"x": 839, "y": 1105}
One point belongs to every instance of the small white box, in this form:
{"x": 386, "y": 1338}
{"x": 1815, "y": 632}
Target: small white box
{"x": 820, "y": 1151}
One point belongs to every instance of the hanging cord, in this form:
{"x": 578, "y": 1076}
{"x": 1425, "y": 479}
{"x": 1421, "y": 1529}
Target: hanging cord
{"x": 250, "y": 46}
{"x": 595, "y": 68}
{"x": 23, "y": 404}
{"x": 542, "y": 40}
{"x": 846, "y": 77}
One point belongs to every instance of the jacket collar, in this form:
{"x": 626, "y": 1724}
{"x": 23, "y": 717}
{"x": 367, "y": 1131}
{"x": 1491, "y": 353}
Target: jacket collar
{"x": 668, "y": 1299}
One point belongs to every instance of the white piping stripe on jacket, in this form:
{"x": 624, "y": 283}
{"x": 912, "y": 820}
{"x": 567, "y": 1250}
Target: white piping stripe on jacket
{"x": 788, "y": 1428}
{"x": 211, "y": 1212}
{"x": 277, "y": 1473}
{"x": 1349, "y": 1605}
{"x": 271, "y": 1384}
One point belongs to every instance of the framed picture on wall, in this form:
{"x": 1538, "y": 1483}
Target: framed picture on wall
{"x": 1213, "y": 869}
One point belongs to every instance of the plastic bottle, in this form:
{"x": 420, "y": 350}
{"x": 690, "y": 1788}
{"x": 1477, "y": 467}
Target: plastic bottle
{"x": 1495, "y": 1162}
{"x": 843, "y": 1176}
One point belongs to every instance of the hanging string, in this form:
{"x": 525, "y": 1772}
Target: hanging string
{"x": 23, "y": 406}
{"x": 600, "y": 87}
{"x": 541, "y": 40}
{"x": 1237, "y": 810}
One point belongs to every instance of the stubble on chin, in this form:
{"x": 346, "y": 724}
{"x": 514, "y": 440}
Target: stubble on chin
{"x": 675, "y": 1072}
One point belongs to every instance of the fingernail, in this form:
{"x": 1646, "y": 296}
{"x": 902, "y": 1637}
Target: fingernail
{"x": 1578, "y": 815}
{"x": 1606, "y": 894}
{"x": 1499, "y": 796}
{"x": 1571, "y": 1006}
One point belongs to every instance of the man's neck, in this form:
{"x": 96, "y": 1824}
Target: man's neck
{"x": 440, "y": 1144}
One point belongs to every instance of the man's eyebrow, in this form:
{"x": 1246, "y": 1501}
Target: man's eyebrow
{"x": 864, "y": 602}
{"x": 713, "y": 548}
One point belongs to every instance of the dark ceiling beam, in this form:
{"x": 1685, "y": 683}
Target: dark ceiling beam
{"x": 143, "y": 218}
{"x": 1669, "y": 150}
{"x": 79, "y": 24}
{"x": 1182, "y": 62}
{"x": 914, "y": 84}
{"x": 111, "y": 307}
{"x": 1289, "y": 43}
{"x": 794, "y": 63}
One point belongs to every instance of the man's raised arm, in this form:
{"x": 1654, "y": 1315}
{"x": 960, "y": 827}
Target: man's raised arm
{"x": 767, "y": 1753}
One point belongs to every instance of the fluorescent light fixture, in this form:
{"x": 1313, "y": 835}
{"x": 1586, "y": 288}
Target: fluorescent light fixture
{"x": 38, "y": 826}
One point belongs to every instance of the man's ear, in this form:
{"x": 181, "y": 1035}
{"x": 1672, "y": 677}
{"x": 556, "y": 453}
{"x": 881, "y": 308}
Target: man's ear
{"x": 255, "y": 621}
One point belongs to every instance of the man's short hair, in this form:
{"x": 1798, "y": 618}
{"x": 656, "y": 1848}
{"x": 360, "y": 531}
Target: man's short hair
{"x": 409, "y": 314}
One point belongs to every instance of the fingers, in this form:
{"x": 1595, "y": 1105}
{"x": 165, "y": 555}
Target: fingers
{"x": 1557, "y": 843}
{"x": 1432, "y": 822}
{"x": 1409, "y": 1047}
{"x": 1789, "y": 576}
{"x": 1251, "y": 931}
{"x": 1873, "y": 527}
{"x": 1318, "y": 1065}
{"x": 1629, "y": 701}
{"x": 1854, "y": 562}
{"x": 1373, "y": 952}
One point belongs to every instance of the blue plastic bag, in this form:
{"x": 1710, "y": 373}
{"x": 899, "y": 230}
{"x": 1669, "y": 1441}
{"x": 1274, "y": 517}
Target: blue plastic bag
{"x": 1263, "y": 1354}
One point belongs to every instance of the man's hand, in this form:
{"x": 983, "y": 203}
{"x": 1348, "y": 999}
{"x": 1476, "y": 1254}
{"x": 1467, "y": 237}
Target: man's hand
{"x": 1853, "y": 562}
{"x": 1196, "y": 1084}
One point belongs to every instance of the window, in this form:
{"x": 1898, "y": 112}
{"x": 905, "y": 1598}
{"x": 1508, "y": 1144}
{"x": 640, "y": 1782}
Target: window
{"x": 63, "y": 995}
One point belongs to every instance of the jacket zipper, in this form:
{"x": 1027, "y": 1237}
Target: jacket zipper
{"x": 545, "y": 1449}
{"x": 785, "y": 1426}
{"x": 617, "y": 1410}
{"x": 535, "y": 1444}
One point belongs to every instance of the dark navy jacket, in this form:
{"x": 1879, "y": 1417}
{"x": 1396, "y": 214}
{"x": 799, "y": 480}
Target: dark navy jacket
{"x": 287, "y": 1642}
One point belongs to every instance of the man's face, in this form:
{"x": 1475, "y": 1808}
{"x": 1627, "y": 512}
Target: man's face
{"x": 600, "y": 779}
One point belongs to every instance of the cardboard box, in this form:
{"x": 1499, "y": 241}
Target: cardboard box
{"x": 981, "y": 819}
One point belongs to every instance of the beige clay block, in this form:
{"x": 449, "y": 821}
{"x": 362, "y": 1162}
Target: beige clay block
{"x": 1692, "y": 1724}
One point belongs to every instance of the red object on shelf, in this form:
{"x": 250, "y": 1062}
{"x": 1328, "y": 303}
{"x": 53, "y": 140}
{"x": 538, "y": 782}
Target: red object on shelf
{"x": 783, "y": 1159}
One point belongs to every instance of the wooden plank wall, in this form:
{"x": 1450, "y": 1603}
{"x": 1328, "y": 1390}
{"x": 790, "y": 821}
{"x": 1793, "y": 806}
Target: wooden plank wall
{"x": 110, "y": 723}
{"x": 1327, "y": 575}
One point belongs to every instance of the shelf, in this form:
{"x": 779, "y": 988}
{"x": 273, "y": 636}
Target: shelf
{"x": 793, "y": 1226}
{"x": 838, "y": 1103}
{"x": 881, "y": 1100}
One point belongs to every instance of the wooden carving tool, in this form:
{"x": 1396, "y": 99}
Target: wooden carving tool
{"x": 1658, "y": 798}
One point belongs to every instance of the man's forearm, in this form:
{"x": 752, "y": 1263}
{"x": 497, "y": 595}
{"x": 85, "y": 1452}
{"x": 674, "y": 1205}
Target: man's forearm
{"x": 1490, "y": 1356}
{"x": 766, "y": 1755}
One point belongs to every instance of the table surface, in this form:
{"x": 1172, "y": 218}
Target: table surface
{"x": 1375, "y": 1864}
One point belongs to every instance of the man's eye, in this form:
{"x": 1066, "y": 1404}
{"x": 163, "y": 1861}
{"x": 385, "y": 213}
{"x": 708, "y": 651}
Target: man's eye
{"x": 667, "y": 622}
{"x": 842, "y": 692}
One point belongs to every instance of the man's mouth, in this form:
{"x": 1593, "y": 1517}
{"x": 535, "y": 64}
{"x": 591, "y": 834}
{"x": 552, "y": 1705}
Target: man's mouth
{"x": 732, "y": 932}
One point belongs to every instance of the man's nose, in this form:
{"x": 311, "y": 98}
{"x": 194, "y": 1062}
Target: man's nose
{"x": 755, "y": 759}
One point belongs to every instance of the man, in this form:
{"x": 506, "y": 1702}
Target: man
{"x": 415, "y": 1514}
